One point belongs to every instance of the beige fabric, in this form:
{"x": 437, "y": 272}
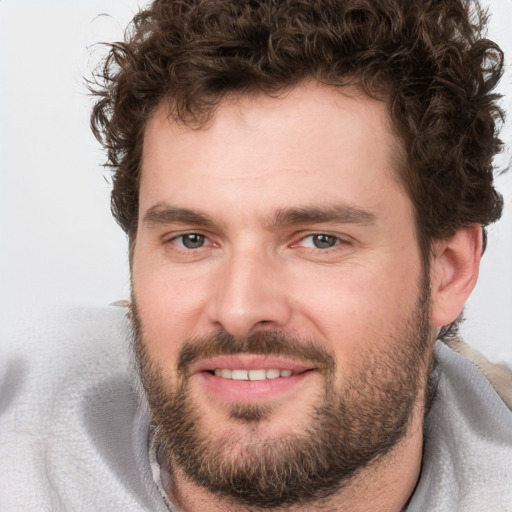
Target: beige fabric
{"x": 498, "y": 375}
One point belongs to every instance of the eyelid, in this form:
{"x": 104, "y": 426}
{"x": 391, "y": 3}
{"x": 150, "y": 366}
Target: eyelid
{"x": 169, "y": 238}
{"x": 341, "y": 239}
{"x": 312, "y": 246}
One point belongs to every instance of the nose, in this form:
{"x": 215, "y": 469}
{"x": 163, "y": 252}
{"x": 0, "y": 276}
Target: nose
{"x": 251, "y": 293}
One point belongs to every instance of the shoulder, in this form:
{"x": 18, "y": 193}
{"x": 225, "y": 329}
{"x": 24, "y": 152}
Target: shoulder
{"x": 499, "y": 376}
{"x": 49, "y": 352}
{"x": 68, "y": 409}
{"x": 467, "y": 463}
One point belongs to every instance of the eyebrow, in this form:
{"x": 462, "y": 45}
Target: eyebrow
{"x": 163, "y": 213}
{"x": 340, "y": 214}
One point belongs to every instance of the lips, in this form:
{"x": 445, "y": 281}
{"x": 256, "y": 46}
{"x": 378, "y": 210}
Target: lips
{"x": 250, "y": 377}
{"x": 260, "y": 374}
{"x": 252, "y": 364}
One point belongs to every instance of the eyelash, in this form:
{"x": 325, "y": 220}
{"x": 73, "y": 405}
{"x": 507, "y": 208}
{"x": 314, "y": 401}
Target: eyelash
{"x": 336, "y": 239}
{"x": 343, "y": 244}
{"x": 182, "y": 237}
{"x": 182, "y": 246}
{"x": 179, "y": 248}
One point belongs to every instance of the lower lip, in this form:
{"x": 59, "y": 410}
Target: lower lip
{"x": 249, "y": 391}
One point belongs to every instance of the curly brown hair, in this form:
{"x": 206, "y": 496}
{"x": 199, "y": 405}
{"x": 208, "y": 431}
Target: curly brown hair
{"x": 428, "y": 59}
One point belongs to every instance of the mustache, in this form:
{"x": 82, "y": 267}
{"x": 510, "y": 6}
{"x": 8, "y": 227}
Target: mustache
{"x": 267, "y": 343}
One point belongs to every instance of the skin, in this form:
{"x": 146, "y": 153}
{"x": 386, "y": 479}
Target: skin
{"x": 260, "y": 157}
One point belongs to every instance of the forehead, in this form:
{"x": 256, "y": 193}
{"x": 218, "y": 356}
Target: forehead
{"x": 311, "y": 142}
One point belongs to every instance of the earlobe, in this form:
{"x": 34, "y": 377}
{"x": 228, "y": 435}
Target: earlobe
{"x": 454, "y": 273}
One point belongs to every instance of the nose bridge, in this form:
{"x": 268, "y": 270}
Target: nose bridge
{"x": 250, "y": 292}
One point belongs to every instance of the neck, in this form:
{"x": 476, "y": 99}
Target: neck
{"x": 385, "y": 486}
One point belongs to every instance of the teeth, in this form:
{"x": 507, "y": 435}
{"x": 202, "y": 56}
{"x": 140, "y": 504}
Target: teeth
{"x": 257, "y": 374}
{"x": 252, "y": 374}
{"x": 239, "y": 374}
{"x": 273, "y": 374}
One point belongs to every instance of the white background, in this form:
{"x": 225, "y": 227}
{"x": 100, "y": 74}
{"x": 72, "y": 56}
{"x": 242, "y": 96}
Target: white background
{"x": 58, "y": 242}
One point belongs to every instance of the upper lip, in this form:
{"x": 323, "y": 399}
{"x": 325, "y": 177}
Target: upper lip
{"x": 250, "y": 362}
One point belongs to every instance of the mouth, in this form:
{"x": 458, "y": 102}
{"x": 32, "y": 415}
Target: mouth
{"x": 252, "y": 375}
{"x": 251, "y": 378}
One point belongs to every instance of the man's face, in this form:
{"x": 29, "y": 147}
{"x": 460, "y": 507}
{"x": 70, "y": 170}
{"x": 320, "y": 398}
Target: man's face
{"x": 280, "y": 303}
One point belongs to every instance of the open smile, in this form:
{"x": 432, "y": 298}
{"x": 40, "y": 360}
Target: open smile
{"x": 253, "y": 375}
{"x": 247, "y": 377}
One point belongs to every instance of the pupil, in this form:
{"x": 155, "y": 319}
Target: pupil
{"x": 193, "y": 241}
{"x": 324, "y": 241}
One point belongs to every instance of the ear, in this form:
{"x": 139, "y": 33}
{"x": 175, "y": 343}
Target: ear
{"x": 454, "y": 272}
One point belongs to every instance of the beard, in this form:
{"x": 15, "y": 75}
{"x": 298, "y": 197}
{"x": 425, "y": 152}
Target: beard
{"x": 353, "y": 423}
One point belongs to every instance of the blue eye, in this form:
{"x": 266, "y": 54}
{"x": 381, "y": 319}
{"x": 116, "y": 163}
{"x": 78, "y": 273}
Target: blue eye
{"x": 323, "y": 241}
{"x": 320, "y": 241}
{"x": 192, "y": 240}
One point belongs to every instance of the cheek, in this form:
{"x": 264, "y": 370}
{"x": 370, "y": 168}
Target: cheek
{"x": 359, "y": 305}
{"x": 166, "y": 303}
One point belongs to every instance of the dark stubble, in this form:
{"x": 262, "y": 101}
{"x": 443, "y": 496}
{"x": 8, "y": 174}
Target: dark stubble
{"x": 348, "y": 428}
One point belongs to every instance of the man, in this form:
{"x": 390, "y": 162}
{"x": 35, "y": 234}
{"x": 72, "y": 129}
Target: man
{"x": 305, "y": 186}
